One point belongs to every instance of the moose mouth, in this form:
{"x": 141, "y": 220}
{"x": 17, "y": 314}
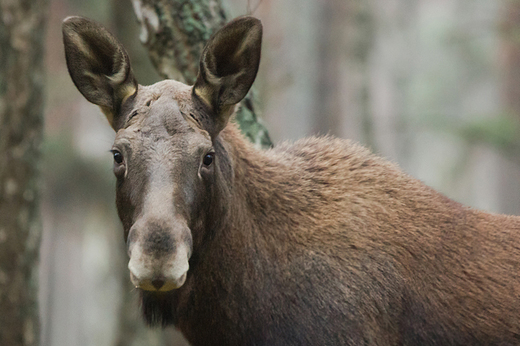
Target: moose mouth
{"x": 158, "y": 273}
{"x": 158, "y": 284}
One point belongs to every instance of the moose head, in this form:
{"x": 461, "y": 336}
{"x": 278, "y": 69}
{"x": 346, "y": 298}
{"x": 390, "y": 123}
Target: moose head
{"x": 168, "y": 159}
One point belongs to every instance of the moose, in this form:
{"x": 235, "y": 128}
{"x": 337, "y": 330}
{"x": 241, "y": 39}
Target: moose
{"x": 318, "y": 242}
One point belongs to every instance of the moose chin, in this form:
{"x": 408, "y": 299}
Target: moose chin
{"x": 318, "y": 242}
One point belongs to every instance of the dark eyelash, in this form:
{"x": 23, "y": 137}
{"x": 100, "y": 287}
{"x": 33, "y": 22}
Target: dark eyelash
{"x": 194, "y": 118}
{"x": 134, "y": 113}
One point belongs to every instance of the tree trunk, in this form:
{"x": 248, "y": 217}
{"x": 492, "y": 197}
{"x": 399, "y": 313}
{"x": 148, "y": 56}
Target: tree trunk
{"x": 509, "y": 187}
{"x": 511, "y": 55}
{"x": 344, "y": 44}
{"x": 127, "y": 31}
{"x": 22, "y": 25}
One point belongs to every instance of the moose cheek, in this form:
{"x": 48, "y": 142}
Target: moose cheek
{"x": 206, "y": 173}
{"x": 119, "y": 170}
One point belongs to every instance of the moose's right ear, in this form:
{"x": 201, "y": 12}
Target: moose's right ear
{"x": 99, "y": 65}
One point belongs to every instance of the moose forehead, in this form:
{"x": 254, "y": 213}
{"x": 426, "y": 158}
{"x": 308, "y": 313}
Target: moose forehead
{"x": 160, "y": 111}
{"x": 162, "y": 144}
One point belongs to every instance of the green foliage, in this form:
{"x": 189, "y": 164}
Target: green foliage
{"x": 250, "y": 125}
{"x": 501, "y": 132}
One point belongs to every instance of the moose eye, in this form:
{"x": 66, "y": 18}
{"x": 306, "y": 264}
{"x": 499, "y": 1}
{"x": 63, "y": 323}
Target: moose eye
{"x": 208, "y": 159}
{"x": 118, "y": 157}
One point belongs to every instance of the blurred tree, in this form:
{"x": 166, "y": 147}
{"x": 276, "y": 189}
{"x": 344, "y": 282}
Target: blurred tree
{"x": 127, "y": 31}
{"x": 21, "y": 109}
{"x": 344, "y": 43}
{"x": 502, "y": 131}
{"x": 330, "y": 44}
{"x": 511, "y": 63}
{"x": 510, "y": 189}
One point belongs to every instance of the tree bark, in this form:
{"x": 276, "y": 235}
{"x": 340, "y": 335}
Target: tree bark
{"x": 175, "y": 33}
{"x": 22, "y": 25}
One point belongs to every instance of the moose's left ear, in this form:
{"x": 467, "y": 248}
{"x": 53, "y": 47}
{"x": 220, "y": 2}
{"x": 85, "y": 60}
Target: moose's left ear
{"x": 228, "y": 68}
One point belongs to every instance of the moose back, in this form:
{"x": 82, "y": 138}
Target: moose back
{"x": 318, "y": 242}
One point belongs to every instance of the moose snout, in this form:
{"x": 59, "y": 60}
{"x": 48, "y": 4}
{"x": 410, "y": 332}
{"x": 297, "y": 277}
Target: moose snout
{"x": 159, "y": 255}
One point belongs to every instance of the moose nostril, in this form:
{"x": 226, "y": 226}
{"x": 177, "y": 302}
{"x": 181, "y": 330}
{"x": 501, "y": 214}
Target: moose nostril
{"x": 158, "y": 283}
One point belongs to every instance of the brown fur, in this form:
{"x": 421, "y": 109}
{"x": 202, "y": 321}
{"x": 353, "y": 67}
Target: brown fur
{"x": 325, "y": 235}
{"x": 318, "y": 242}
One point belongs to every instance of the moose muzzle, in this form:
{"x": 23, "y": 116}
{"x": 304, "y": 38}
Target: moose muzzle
{"x": 159, "y": 252}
